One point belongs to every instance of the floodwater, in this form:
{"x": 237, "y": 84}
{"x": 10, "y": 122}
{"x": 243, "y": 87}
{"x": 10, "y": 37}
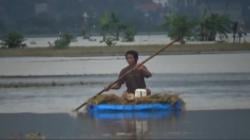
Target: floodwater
{"x": 204, "y": 63}
{"x": 216, "y": 124}
{"x": 205, "y": 82}
{"x": 215, "y": 88}
{"x": 200, "y": 92}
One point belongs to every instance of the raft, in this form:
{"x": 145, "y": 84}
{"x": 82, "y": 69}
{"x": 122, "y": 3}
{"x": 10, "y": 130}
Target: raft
{"x": 135, "y": 107}
{"x": 136, "y": 111}
{"x": 111, "y": 106}
{"x": 115, "y": 103}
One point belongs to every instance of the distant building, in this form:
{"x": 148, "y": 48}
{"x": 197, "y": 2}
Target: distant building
{"x": 163, "y": 3}
{"x": 149, "y": 7}
{"x": 41, "y": 8}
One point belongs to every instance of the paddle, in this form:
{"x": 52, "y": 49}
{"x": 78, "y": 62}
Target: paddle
{"x": 126, "y": 73}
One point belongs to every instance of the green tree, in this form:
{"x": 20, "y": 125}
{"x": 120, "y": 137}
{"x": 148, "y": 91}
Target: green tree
{"x": 111, "y": 25}
{"x": 13, "y": 40}
{"x": 110, "y": 42}
{"x": 179, "y": 26}
{"x": 212, "y": 25}
{"x": 129, "y": 34}
{"x": 64, "y": 40}
{"x": 85, "y": 34}
{"x": 105, "y": 25}
{"x": 116, "y": 25}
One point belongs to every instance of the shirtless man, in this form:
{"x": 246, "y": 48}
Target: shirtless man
{"x": 135, "y": 79}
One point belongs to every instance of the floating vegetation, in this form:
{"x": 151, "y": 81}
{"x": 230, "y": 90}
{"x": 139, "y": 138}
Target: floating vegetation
{"x": 35, "y": 136}
{"x": 168, "y": 97}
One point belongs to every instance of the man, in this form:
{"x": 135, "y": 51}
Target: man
{"x": 135, "y": 79}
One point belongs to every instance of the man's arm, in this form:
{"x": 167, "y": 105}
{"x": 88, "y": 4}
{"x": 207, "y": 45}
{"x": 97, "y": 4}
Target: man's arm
{"x": 119, "y": 83}
{"x": 145, "y": 71}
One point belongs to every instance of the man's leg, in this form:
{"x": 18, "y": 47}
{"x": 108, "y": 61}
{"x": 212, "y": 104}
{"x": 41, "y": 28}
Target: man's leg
{"x": 148, "y": 92}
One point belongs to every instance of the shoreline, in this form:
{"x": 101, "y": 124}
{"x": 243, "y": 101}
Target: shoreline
{"x": 187, "y": 49}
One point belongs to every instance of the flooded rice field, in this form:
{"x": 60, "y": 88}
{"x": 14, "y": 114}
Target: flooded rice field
{"x": 43, "y": 84}
{"x": 37, "y": 96}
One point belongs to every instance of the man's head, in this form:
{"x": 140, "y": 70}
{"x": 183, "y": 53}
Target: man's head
{"x": 131, "y": 57}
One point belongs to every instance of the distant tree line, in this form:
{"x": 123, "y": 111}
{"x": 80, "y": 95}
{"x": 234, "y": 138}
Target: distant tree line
{"x": 67, "y": 15}
{"x": 205, "y": 28}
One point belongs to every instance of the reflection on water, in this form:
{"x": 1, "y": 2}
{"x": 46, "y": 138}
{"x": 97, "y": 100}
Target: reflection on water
{"x": 131, "y": 115}
{"x": 129, "y": 125}
{"x": 216, "y": 124}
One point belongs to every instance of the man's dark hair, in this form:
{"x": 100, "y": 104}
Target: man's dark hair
{"x": 132, "y": 52}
